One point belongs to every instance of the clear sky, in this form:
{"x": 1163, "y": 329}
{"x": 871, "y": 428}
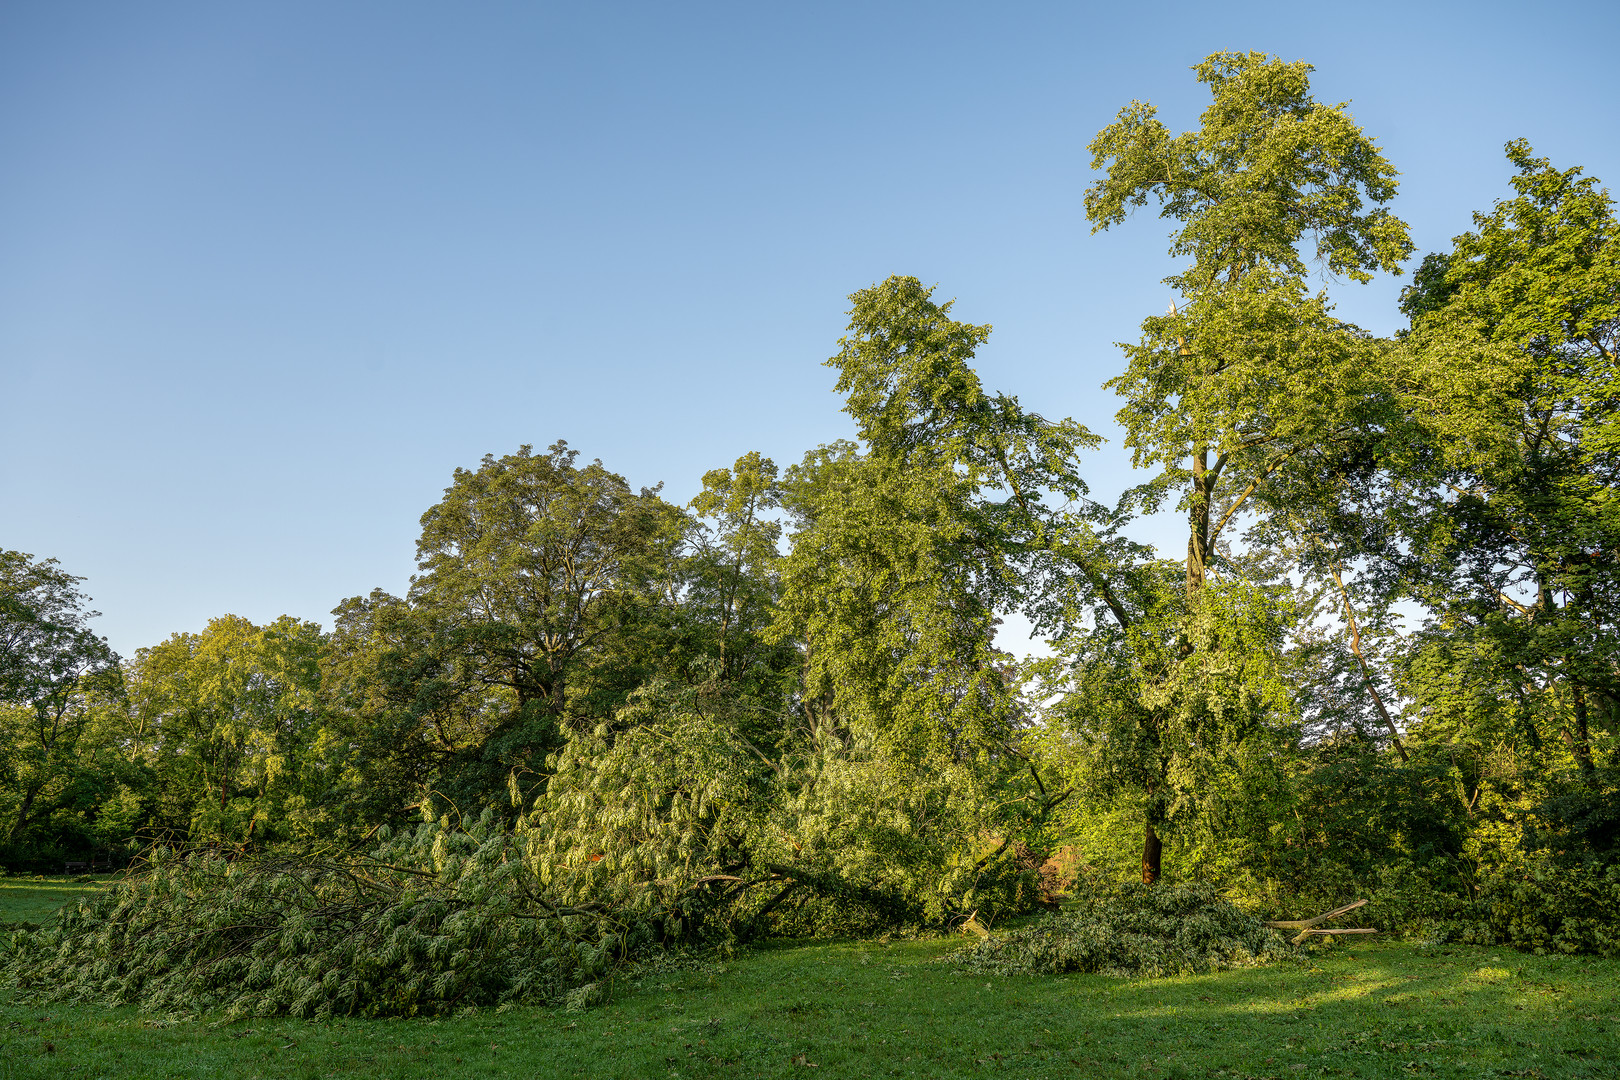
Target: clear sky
{"x": 270, "y": 272}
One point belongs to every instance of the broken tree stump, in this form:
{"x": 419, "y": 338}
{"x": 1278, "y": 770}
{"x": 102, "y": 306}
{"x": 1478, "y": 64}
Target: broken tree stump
{"x": 972, "y": 925}
{"x": 1306, "y": 927}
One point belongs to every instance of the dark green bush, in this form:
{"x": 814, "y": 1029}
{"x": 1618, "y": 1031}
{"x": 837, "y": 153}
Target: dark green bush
{"x": 1132, "y": 931}
{"x": 1538, "y": 901}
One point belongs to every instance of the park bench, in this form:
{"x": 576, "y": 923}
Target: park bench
{"x": 76, "y": 868}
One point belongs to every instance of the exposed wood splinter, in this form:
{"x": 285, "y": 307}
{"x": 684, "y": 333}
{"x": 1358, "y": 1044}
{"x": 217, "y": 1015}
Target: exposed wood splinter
{"x": 1304, "y": 926}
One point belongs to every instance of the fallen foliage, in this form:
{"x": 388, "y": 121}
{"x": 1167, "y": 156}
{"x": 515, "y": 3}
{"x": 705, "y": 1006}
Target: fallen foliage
{"x": 1133, "y": 931}
{"x": 436, "y": 921}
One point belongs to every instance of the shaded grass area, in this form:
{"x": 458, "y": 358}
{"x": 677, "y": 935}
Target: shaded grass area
{"x": 34, "y": 901}
{"x": 847, "y": 1009}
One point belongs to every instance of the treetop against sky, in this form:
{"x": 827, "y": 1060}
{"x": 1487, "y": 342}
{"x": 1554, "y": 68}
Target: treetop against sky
{"x": 271, "y": 275}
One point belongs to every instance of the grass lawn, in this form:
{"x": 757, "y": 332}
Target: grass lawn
{"x": 24, "y": 899}
{"x": 866, "y": 1009}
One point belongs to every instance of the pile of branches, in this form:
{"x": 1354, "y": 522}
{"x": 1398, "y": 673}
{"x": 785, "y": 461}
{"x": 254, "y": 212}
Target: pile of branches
{"x": 437, "y": 921}
{"x": 1133, "y": 931}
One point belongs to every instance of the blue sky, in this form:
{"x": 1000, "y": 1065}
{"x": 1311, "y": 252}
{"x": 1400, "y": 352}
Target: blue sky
{"x": 270, "y": 272}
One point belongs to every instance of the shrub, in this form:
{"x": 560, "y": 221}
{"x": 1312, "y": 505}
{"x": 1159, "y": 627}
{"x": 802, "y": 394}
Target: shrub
{"x": 1133, "y": 930}
{"x": 1535, "y": 901}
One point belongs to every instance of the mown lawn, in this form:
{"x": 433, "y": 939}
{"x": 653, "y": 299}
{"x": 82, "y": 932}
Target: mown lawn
{"x": 27, "y": 899}
{"x": 847, "y": 1009}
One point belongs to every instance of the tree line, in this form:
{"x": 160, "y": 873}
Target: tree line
{"x": 1385, "y": 662}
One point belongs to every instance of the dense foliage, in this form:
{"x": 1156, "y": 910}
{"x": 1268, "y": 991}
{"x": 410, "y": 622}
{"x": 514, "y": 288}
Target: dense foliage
{"x": 1134, "y": 930}
{"x": 439, "y": 920}
{"x": 1386, "y": 665}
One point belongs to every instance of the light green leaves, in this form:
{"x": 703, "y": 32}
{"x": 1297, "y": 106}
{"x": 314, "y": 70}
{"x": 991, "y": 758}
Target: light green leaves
{"x": 1267, "y": 168}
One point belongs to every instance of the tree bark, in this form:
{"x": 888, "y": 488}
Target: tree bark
{"x": 1152, "y": 849}
{"x": 23, "y": 813}
{"x": 1580, "y": 742}
{"x": 1198, "y": 523}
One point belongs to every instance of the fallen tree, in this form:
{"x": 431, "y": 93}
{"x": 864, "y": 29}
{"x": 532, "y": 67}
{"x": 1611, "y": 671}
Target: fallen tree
{"x": 669, "y": 830}
{"x": 435, "y": 921}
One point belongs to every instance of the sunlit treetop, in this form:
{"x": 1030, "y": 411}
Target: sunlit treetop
{"x": 1267, "y": 168}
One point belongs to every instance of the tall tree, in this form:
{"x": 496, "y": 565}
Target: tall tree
{"x": 1250, "y": 374}
{"x": 401, "y": 706}
{"x": 535, "y": 571}
{"x": 1506, "y": 521}
{"x": 234, "y": 727}
{"x": 1251, "y": 368}
{"x": 732, "y": 573}
{"x": 51, "y": 666}
{"x": 905, "y": 554}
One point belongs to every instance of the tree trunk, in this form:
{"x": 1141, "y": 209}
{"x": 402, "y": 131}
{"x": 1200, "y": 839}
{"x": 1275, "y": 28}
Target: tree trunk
{"x": 23, "y": 819}
{"x": 1580, "y": 743}
{"x": 1198, "y": 521}
{"x": 1366, "y": 674}
{"x": 1152, "y": 848}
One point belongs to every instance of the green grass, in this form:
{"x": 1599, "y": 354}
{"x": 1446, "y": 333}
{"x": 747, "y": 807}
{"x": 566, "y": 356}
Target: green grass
{"x": 878, "y": 1010}
{"x": 36, "y": 900}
